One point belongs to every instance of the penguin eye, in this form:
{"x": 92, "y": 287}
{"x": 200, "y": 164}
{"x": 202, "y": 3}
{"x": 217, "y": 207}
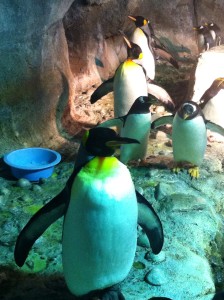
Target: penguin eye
{"x": 189, "y": 108}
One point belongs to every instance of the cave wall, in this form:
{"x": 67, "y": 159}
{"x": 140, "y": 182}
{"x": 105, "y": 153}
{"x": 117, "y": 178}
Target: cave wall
{"x": 34, "y": 56}
{"x": 53, "y": 50}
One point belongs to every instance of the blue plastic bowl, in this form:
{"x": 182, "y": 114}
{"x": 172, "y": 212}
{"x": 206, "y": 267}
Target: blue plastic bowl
{"x": 32, "y": 163}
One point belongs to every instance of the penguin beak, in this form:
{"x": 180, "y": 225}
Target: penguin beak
{"x": 132, "y": 18}
{"x": 121, "y": 141}
{"x": 185, "y": 116}
{"x": 126, "y": 40}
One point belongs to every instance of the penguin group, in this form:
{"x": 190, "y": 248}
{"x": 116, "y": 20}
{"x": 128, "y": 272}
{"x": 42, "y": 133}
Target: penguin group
{"x": 99, "y": 203}
{"x": 208, "y": 36}
{"x": 131, "y": 84}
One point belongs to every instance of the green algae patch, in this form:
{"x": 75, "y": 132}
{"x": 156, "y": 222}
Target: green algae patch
{"x": 32, "y": 209}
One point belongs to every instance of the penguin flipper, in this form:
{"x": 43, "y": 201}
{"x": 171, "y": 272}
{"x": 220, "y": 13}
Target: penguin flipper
{"x": 214, "y": 127}
{"x": 162, "y": 121}
{"x": 163, "y": 54}
{"x": 211, "y": 92}
{"x": 102, "y": 90}
{"x": 36, "y": 226}
{"x": 151, "y": 224}
{"x": 162, "y": 95}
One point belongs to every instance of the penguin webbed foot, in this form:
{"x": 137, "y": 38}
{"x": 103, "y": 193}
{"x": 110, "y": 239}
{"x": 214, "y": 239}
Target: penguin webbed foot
{"x": 176, "y": 170}
{"x": 194, "y": 172}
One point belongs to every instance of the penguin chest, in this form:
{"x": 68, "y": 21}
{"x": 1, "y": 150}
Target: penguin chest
{"x": 129, "y": 84}
{"x": 189, "y": 140}
{"x": 137, "y": 126}
{"x": 100, "y": 228}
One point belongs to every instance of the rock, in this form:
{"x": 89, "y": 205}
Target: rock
{"x": 4, "y": 191}
{"x": 156, "y": 258}
{"x": 24, "y": 183}
{"x": 37, "y": 188}
{"x": 162, "y": 190}
{"x": 156, "y": 277}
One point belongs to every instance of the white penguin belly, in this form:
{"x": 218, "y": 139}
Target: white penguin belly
{"x": 129, "y": 84}
{"x": 100, "y": 230}
{"x": 147, "y": 61}
{"x": 137, "y": 126}
{"x": 189, "y": 140}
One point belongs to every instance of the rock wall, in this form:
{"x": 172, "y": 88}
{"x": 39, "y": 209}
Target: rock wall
{"x": 53, "y": 51}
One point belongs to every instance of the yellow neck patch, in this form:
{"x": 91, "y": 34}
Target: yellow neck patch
{"x": 129, "y": 63}
{"x": 102, "y": 165}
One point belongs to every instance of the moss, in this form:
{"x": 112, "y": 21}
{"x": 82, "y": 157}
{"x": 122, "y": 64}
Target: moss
{"x": 138, "y": 265}
{"x": 32, "y": 209}
{"x": 35, "y": 264}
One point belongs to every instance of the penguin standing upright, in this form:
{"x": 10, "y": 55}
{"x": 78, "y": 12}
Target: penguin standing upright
{"x": 142, "y": 37}
{"x": 136, "y": 125}
{"x": 204, "y": 38}
{"x": 189, "y": 138}
{"x": 155, "y": 46}
{"x": 100, "y": 220}
{"x": 215, "y": 32}
{"x": 129, "y": 83}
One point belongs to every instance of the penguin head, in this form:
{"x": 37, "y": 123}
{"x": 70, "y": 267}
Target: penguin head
{"x": 133, "y": 50}
{"x": 103, "y": 142}
{"x": 200, "y": 29}
{"x": 189, "y": 110}
{"x": 139, "y": 20}
{"x": 140, "y": 106}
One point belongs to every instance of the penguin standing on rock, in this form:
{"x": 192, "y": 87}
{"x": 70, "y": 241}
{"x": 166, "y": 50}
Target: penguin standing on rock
{"x": 214, "y": 30}
{"x": 100, "y": 209}
{"x": 204, "y": 37}
{"x": 189, "y": 137}
{"x": 136, "y": 125}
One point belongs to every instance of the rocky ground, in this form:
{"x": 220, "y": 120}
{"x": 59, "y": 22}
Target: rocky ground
{"x": 190, "y": 266}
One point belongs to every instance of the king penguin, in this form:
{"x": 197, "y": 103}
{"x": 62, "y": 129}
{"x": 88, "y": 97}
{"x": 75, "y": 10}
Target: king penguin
{"x": 158, "y": 49}
{"x": 142, "y": 37}
{"x": 129, "y": 83}
{"x": 136, "y": 125}
{"x": 100, "y": 220}
{"x": 189, "y": 137}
